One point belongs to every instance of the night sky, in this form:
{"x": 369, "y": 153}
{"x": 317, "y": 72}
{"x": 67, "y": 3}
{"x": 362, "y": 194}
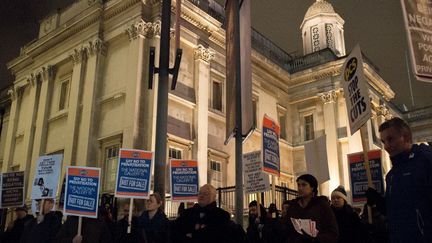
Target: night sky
{"x": 377, "y": 25}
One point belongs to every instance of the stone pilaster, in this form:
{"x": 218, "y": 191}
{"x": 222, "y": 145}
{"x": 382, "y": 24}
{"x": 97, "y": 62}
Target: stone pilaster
{"x": 87, "y": 144}
{"x": 16, "y": 98}
{"x": 330, "y": 125}
{"x": 202, "y": 80}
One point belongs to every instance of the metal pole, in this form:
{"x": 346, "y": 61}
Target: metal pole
{"x": 238, "y": 133}
{"x": 162, "y": 102}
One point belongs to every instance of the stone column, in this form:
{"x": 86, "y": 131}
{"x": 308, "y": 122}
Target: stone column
{"x": 16, "y": 98}
{"x": 87, "y": 143}
{"x": 29, "y": 130}
{"x": 139, "y": 100}
{"x": 203, "y": 56}
{"x": 330, "y": 125}
{"x": 75, "y": 94}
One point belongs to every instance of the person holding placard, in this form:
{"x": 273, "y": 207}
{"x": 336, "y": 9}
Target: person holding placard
{"x": 153, "y": 222}
{"x": 351, "y": 230}
{"x": 14, "y": 231}
{"x": 310, "y": 218}
{"x": 93, "y": 231}
{"x": 45, "y": 227}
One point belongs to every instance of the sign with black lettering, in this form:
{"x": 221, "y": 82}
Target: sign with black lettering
{"x": 12, "y": 190}
{"x": 418, "y": 25}
{"x": 47, "y": 176}
{"x": 355, "y": 90}
{"x": 255, "y": 180}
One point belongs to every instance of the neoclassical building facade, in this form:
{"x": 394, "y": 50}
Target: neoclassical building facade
{"x": 79, "y": 91}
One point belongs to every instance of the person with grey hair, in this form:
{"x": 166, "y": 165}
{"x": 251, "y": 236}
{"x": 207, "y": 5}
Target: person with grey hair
{"x": 408, "y": 197}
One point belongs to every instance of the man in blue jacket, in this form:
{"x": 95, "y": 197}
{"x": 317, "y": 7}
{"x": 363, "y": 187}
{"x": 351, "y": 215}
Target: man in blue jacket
{"x": 408, "y": 197}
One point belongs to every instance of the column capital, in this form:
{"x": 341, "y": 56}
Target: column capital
{"x": 32, "y": 79}
{"x": 15, "y": 92}
{"x": 382, "y": 110}
{"x": 329, "y": 96}
{"x": 46, "y": 73}
{"x": 77, "y": 55}
{"x": 202, "y": 53}
{"x": 142, "y": 28}
{"x": 96, "y": 46}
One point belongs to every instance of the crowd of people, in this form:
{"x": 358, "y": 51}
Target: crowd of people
{"x": 403, "y": 215}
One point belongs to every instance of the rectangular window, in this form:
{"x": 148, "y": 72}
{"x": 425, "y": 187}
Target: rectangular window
{"x": 64, "y": 95}
{"x": 110, "y": 165}
{"x": 282, "y": 124}
{"x": 175, "y": 153}
{"x": 308, "y": 127}
{"x": 217, "y": 96}
{"x": 215, "y": 173}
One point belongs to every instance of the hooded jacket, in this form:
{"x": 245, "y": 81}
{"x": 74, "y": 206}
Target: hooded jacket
{"x": 409, "y": 196}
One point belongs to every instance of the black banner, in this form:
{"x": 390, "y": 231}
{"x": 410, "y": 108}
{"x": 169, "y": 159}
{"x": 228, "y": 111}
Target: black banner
{"x": 12, "y": 190}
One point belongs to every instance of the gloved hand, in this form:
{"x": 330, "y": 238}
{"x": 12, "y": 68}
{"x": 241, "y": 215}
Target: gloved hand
{"x": 308, "y": 238}
{"x": 372, "y": 196}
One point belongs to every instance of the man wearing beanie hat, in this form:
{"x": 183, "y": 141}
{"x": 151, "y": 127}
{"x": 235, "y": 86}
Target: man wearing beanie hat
{"x": 310, "y": 206}
{"x": 349, "y": 223}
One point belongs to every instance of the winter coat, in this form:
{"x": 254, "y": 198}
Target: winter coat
{"x": 255, "y": 227}
{"x": 351, "y": 229}
{"x": 45, "y": 231}
{"x": 409, "y": 196}
{"x": 155, "y": 230}
{"x": 14, "y": 234}
{"x": 208, "y": 224}
{"x": 318, "y": 210}
{"x": 377, "y": 231}
{"x": 121, "y": 235}
{"x": 92, "y": 231}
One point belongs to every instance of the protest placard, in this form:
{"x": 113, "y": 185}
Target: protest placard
{"x": 184, "y": 180}
{"x": 134, "y": 173}
{"x": 270, "y": 146}
{"x": 359, "y": 180}
{"x": 12, "y": 190}
{"x": 82, "y": 191}
{"x": 254, "y": 179}
{"x": 46, "y": 177}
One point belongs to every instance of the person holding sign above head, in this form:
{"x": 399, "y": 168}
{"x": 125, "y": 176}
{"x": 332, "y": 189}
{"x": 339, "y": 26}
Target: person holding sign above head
{"x": 349, "y": 223}
{"x": 408, "y": 198}
{"x": 153, "y": 221}
{"x": 309, "y": 217}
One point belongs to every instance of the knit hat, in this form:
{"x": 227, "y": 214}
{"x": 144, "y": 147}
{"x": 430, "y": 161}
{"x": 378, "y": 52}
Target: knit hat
{"x": 340, "y": 191}
{"x": 311, "y": 180}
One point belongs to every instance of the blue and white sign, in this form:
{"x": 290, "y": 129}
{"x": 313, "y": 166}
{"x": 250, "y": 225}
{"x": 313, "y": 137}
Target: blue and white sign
{"x": 270, "y": 146}
{"x": 134, "y": 173}
{"x": 82, "y": 191}
{"x": 184, "y": 180}
{"x": 46, "y": 177}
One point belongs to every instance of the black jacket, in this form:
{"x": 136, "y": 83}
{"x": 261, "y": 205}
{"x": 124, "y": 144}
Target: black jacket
{"x": 409, "y": 196}
{"x": 351, "y": 229}
{"x": 93, "y": 231}
{"x": 154, "y": 230}
{"x": 45, "y": 231}
{"x": 14, "y": 234}
{"x": 209, "y": 224}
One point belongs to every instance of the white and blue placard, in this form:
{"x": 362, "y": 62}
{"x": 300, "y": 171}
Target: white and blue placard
{"x": 82, "y": 191}
{"x": 46, "y": 178}
{"x": 134, "y": 174}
